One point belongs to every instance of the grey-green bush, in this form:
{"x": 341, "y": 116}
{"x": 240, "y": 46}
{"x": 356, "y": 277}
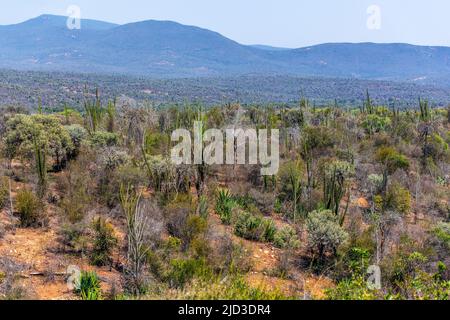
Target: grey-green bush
{"x": 286, "y": 238}
{"x": 324, "y": 232}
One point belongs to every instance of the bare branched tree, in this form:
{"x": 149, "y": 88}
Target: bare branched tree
{"x": 141, "y": 227}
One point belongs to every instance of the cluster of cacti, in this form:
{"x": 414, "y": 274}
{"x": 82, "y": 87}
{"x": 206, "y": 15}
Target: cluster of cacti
{"x": 335, "y": 187}
{"x": 425, "y": 113}
{"x": 269, "y": 183}
{"x": 187, "y": 115}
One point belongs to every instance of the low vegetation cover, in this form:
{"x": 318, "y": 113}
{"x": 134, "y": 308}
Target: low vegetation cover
{"x": 59, "y": 88}
{"x": 359, "y": 208}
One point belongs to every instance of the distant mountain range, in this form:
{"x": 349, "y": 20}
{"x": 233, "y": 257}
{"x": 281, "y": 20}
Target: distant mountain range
{"x": 164, "y": 49}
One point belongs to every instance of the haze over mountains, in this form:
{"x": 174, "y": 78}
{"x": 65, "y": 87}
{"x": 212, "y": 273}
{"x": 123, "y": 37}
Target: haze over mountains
{"x": 164, "y": 49}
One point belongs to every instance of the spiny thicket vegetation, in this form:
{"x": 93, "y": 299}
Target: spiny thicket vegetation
{"x": 356, "y": 187}
{"x": 56, "y": 88}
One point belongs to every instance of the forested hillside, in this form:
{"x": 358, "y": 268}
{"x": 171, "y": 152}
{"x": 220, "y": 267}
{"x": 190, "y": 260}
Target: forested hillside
{"x": 56, "y": 89}
{"x": 166, "y": 49}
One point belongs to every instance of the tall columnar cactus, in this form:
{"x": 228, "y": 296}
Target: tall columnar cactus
{"x": 269, "y": 183}
{"x": 368, "y": 104}
{"x": 201, "y": 169}
{"x": 94, "y": 112}
{"x": 41, "y": 166}
{"x": 290, "y": 177}
{"x": 304, "y": 103}
{"x": 111, "y": 114}
{"x": 425, "y": 114}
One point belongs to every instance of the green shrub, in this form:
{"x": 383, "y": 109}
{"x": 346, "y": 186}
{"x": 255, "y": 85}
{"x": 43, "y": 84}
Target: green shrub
{"x": 245, "y": 202}
{"x": 354, "y": 288}
{"x": 184, "y": 270}
{"x": 229, "y": 288}
{"x": 408, "y": 276}
{"x": 399, "y": 198}
{"x": 428, "y": 286}
{"x": 88, "y": 286}
{"x": 70, "y": 115}
{"x": 156, "y": 265}
{"x": 104, "y": 139}
{"x": 253, "y": 227}
{"x": 238, "y": 289}
{"x": 104, "y": 242}
{"x": 374, "y": 123}
{"x": 156, "y": 143}
{"x": 195, "y": 226}
{"x": 442, "y": 233}
{"x": 269, "y": 230}
{"x": 200, "y": 247}
{"x": 249, "y": 226}
{"x": 286, "y": 238}
{"x": 358, "y": 260}
{"x": 74, "y": 205}
{"x": 391, "y": 161}
{"x": 290, "y": 184}
{"x": 224, "y": 206}
{"x": 29, "y": 208}
{"x": 173, "y": 243}
{"x": 278, "y": 206}
{"x": 75, "y": 187}
{"x": 38, "y": 134}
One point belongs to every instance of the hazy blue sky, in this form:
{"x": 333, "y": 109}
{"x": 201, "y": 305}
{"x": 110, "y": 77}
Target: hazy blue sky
{"x": 288, "y": 23}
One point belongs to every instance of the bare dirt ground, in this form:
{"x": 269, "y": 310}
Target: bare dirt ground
{"x": 45, "y": 264}
{"x": 43, "y": 275}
